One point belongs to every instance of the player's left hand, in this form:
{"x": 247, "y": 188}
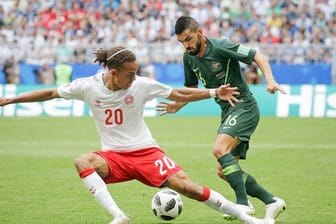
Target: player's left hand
{"x": 273, "y": 86}
{"x": 228, "y": 93}
{"x": 168, "y": 107}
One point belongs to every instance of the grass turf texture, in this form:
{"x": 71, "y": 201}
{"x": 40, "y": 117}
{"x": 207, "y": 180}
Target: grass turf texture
{"x": 294, "y": 158}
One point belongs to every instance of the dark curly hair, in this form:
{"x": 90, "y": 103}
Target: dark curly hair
{"x": 114, "y": 58}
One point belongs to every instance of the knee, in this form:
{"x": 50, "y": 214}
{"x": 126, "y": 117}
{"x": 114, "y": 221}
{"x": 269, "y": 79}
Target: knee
{"x": 83, "y": 162}
{"x": 220, "y": 149}
{"x": 224, "y": 144}
{"x": 78, "y": 161}
{"x": 217, "y": 151}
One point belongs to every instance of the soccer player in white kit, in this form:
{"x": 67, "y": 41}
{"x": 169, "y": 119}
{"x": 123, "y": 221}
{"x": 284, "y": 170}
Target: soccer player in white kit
{"x": 116, "y": 99}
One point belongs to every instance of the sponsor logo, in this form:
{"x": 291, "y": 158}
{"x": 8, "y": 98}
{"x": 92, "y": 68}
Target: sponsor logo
{"x": 56, "y": 107}
{"x": 195, "y": 70}
{"x": 307, "y": 101}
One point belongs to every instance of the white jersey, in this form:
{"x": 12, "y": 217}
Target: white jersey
{"x": 118, "y": 114}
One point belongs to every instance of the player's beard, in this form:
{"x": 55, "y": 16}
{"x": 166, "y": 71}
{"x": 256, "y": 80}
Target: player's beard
{"x": 198, "y": 47}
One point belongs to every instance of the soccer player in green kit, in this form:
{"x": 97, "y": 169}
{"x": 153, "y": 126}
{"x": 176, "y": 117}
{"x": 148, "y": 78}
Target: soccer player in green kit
{"x": 215, "y": 62}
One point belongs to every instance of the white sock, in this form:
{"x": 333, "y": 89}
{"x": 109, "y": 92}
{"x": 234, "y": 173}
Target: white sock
{"x": 98, "y": 188}
{"x": 220, "y": 203}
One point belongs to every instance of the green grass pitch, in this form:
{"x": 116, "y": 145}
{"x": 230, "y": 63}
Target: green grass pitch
{"x": 293, "y": 157}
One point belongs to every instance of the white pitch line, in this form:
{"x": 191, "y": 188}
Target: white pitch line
{"x": 172, "y": 144}
{"x": 257, "y": 145}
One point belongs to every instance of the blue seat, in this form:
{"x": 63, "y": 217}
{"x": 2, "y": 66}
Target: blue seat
{"x": 27, "y": 74}
{"x": 2, "y": 77}
{"x": 84, "y": 70}
{"x": 172, "y": 74}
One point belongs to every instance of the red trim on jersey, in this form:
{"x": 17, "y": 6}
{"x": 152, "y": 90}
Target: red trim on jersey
{"x": 86, "y": 172}
{"x": 205, "y": 195}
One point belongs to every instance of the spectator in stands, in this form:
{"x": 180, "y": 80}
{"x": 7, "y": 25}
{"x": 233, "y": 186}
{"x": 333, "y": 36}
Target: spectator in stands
{"x": 11, "y": 70}
{"x": 64, "y": 52}
{"x": 251, "y": 22}
{"x": 76, "y": 14}
{"x": 46, "y": 75}
{"x": 63, "y": 72}
{"x": 147, "y": 69}
{"x": 2, "y": 16}
{"x": 252, "y": 74}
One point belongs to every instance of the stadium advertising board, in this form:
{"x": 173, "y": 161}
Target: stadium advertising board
{"x": 300, "y": 101}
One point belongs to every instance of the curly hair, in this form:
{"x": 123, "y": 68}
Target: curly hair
{"x": 114, "y": 58}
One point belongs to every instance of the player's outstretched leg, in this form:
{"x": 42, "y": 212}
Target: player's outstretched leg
{"x": 249, "y": 210}
{"x": 218, "y": 202}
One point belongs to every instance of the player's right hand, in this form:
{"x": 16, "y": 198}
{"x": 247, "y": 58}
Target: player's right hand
{"x": 4, "y": 101}
{"x": 167, "y": 107}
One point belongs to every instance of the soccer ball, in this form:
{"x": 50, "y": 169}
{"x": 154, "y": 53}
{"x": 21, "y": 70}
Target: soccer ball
{"x": 167, "y": 204}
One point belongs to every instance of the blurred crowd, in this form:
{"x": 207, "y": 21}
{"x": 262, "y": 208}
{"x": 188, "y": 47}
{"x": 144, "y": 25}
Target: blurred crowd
{"x": 69, "y": 31}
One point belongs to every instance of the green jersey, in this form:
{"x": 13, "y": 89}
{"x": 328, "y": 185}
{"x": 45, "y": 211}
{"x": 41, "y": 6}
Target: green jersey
{"x": 219, "y": 65}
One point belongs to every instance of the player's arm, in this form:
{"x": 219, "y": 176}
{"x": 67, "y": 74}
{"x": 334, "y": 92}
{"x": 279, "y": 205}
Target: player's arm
{"x": 184, "y": 95}
{"x": 265, "y": 67}
{"x": 34, "y": 96}
{"x": 171, "y": 107}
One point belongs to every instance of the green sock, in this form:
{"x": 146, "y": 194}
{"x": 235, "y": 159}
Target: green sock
{"x": 256, "y": 190}
{"x": 234, "y": 176}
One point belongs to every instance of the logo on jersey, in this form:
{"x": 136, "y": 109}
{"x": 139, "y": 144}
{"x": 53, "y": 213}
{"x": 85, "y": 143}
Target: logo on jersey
{"x": 217, "y": 68}
{"x": 129, "y": 100}
{"x": 215, "y": 65}
{"x": 195, "y": 70}
{"x": 98, "y": 103}
{"x": 95, "y": 78}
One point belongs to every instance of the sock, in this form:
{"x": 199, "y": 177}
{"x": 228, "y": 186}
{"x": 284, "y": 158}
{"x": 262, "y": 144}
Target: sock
{"x": 234, "y": 177}
{"x": 98, "y": 188}
{"x": 256, "y": 190}
{"x": 219, "y": 203}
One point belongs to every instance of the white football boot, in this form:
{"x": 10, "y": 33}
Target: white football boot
{"x": 248, "y": 209}
{"x": 274, "y": 209}
{"x": 121, "y": 219}
{"x": 260, "y": 221}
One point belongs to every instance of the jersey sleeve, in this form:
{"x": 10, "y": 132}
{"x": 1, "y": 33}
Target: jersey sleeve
{"x": 155, "y": 89}
{"x": 72, "y": 90}
{"x": 236, "y": 51}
